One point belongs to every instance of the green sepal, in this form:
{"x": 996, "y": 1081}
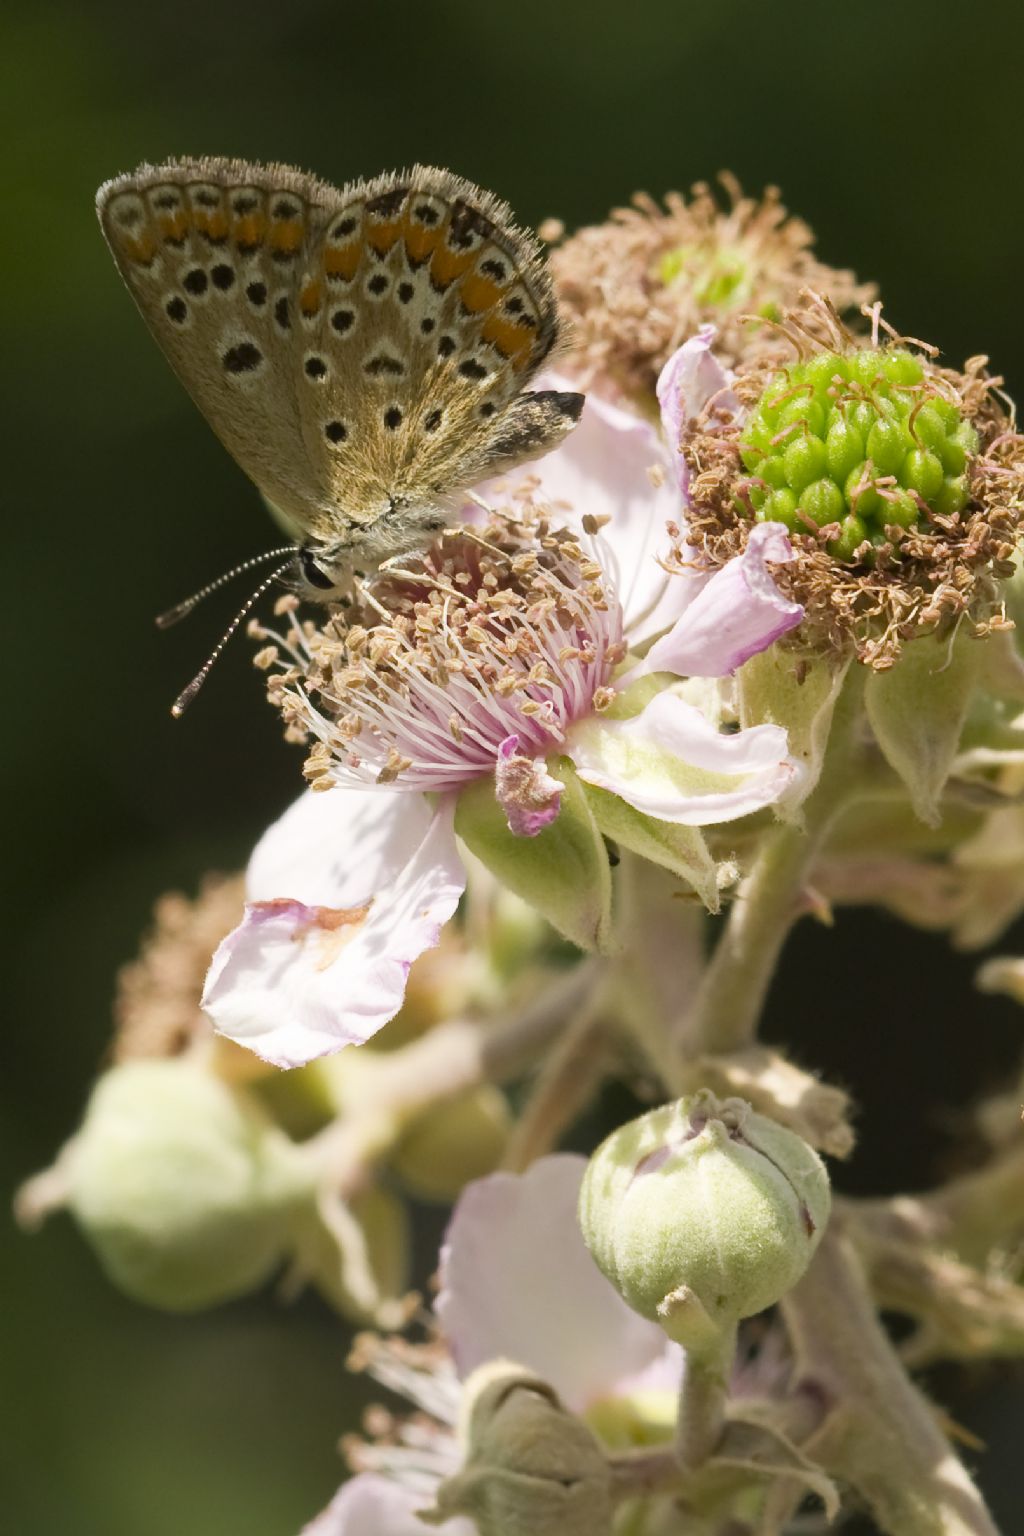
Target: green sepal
{"x": 356, "y": 1254}
{"x": 775, "y": 687}
{"x": 563, "y": 872}
{"x": 682, "y": 850}
{"x": 917, "y": 711}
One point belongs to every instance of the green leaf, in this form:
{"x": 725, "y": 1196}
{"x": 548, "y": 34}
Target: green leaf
{"x": 563, "y": 872}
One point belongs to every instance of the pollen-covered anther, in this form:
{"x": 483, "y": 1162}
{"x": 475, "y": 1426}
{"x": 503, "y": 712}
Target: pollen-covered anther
{"x": 901, "y": 484}
{"x": 635, "y": 286}
{"x": 395, "y": 765}
{"x": 499, "y": 631}
{"x": 593, "y": 523}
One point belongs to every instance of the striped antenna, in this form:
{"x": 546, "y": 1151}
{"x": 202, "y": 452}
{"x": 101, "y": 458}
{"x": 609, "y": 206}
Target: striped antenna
{"x": 182, "y": 610}
{"x": 186, "y": 696}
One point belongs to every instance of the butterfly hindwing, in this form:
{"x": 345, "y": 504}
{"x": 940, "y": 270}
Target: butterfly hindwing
{"x": 353, "y": 349}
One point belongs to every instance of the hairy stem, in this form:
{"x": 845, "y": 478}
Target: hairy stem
{"x": 564, "y": 1086}
{"x": 702, "y": 1400}
{"x": 970, "y": 1216}
{"x": 660, "y": 965}
{"x": 442, "y": 1064}
{"x": 727, "y": 1010}
{"x": 880, "y": 1435}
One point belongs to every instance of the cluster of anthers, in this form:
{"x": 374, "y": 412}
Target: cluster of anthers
{"x": 883, "y": 554}
{"x": 500, "y": 631}
{"x": 157, "y": 1010}
{"x": 414, "y": 1449}
{"x": 635, "y": 287}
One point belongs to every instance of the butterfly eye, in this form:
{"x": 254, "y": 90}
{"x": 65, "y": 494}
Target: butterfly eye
{"x": 313, "y": 574}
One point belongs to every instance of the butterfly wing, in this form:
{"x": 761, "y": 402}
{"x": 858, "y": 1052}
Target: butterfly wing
{"x": 213, "y": 252}
{"x": 355, "y": 350}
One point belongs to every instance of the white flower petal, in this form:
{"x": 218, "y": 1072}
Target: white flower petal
{"x": 518, "y": 1283}
{"x": 369, "y": 1505}
{"x": 613, "y": 465}
{"x": 737, "y": 613}
{"x": 691, "y": 379}
{"x": 670, "y": 762}
{"x": 347, "y": 889}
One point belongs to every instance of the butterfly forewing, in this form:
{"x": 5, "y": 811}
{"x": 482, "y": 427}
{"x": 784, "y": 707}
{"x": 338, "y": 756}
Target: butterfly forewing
{"x": 353, "y": 349}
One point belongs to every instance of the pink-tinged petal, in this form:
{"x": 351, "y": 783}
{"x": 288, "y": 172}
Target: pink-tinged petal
{"x": 737, "y": 613}
{"x": 369, "y": 1505}
{"x": 347, "y": 889}
{"x": 612, "y": 465}
{"x": 518, "y": 1283}
{"x": 691, "y": 379}
{"x": 664, "y": 1374}
{"x": 671, "y": 763}
{"x": 526, "y": 792}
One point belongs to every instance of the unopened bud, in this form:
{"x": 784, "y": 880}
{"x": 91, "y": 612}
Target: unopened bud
{"x": 184, "y": 1191}
{"x": 703, "y": 1212}
{"x": 532, "y": 1468}
{"x": 455, "y": 1142}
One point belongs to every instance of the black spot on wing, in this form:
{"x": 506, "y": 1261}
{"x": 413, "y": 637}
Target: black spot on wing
{"x": 244, "y": 357}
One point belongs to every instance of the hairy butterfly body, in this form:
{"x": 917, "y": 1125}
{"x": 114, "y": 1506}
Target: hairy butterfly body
{"x": 363, "y": 353}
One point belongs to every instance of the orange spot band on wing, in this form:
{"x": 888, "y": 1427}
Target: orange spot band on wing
{"x": 309, "y": 298}
{"x": 211, "y": 222}
{"x": 342, "y": 261}
{"x": 479, "y": 293}
{"x": 446, "y": 265}
{"x": 381, "y": 237}
{"x": 174, "y": 226}
{"x": 286, "y": 236}
{"x": 140, "y": 248}
{"x": 250, "y": 229}
{"x": 511, "y": 340}
{"x": 419, "y": 241}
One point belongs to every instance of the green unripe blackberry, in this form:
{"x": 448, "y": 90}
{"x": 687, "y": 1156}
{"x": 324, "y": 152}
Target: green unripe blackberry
{"x": 863, "y": 440}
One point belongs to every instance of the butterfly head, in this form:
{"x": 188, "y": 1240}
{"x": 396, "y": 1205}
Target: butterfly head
{"x": 325, "y": 568}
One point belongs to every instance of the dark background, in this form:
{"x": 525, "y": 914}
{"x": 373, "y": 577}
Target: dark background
{"x": 894, "y": 128}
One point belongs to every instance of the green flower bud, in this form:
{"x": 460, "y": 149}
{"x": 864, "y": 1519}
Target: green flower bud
{"x": 829, "y": 427}
{"x": 182, "y": 1188}
{"x": 531, "y": 1469}
{"x": 702, "y": 1212}
{"x": 447, "y": 1147}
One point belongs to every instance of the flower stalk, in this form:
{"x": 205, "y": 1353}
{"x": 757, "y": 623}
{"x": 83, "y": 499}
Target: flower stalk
{"x": 881, "y": 1436}
{"x": 702, "y": 1399}
{"x": 728, "y": 1006}
{"x": 443, "y": 1064}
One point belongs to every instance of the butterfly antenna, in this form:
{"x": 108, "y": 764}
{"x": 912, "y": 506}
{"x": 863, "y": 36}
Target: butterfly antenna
{"x": 182, "y": 610}
{"x": 186, "y": 696}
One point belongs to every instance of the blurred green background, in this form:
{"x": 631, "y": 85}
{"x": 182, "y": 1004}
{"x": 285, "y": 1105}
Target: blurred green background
{"x": 894, "y": 128}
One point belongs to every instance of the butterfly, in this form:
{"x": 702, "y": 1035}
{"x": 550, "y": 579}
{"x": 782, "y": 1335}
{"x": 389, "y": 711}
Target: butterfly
{"x": 363, "y": 353}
